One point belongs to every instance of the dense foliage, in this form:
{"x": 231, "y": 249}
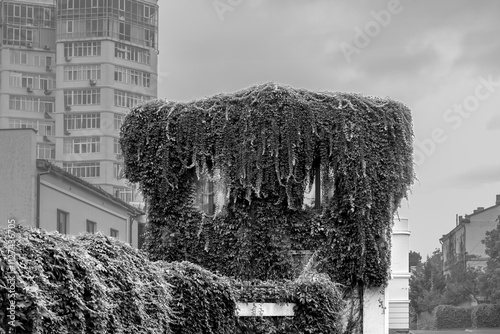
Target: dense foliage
{"x": 486, "y": 316}
{"x": 448, "y": 316}
{"x": 87, "y": 284}
{"x": 202, "y": 302}
{"x": 490, "y": 282}
{"x": 318, "y": 305}
{"x": 429, "y": 287}
{"x": 261, "y": 147}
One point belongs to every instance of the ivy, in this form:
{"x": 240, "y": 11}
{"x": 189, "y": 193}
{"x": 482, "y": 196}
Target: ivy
{"x": 202, "y": 302}
{"x": 87, "y": 284}
{"x": 261, "y": 146}
{"x": 318, "y": 304}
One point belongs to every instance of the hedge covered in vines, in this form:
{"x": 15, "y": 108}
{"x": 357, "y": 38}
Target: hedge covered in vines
{"x": 95, "y": 284}
{"x": 261, "y": 147}
{"x": 87, "y": 284}
{"x": 318, "y": 305}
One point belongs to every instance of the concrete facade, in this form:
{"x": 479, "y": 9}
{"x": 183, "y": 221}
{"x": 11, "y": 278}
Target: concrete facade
{"x": 37, "y": 193}
{"x": 72, "y": 70}
{"x": 464, "y": 241}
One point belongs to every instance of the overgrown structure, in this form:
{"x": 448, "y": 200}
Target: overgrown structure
{"x": 264, "y": 148}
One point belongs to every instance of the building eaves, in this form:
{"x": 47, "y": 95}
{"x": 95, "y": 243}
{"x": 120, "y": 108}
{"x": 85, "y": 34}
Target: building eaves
{"x": 48, "y": 166}
{"x": 455, "y": 229}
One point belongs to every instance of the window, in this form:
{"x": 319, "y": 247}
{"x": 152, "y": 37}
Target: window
{"x": 313, "y": 198}
{"x": 82, "y": 72}
{"x": 82, "y": 121}
{"x": 132, "y": 53}
{"x": 209, "y": 195}
{"x": 116, "y": 146}
{"x": 124, "y": 194}
{"x": 26, "y": 81}
{"x": 29, "y": 35}
{"x": 91, "y": 227}
{"x": 113, "y": 233}
{"x": 117, "y": 171}
{"x": 29, "y": 12}
{"x": 18, "y": 57}
{"x": 129, "y": 100}
{"x": 118, "y": 121}
{"x": 34, "y": 104}
{"x": 69, "y": 26}
{"x": 47, "y": 14}
{"x": 35, "y": 81}
{"x": 83, "y": 169}
{"x": 95, "y": 27}
{"x": 44, "y": 128}
{"x": 44, "y": 83}
{"x": 205, "y": 196}
{"x": 62, "y": 221}
{"x": 82, "y": 145}
{"x": 132, "y": 77}
{"x": 124, "y": 31}
{"x": 82, "y": 49}
{"x": 45, "y": 151}
{"x": 149, "y": 37}
{"x": 82, "y": 97}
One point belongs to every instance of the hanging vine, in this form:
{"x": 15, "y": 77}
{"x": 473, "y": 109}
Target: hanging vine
{"x": 265, "y": 143}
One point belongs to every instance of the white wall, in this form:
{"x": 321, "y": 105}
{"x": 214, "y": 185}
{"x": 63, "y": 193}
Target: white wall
{"x": 398, "y": 288}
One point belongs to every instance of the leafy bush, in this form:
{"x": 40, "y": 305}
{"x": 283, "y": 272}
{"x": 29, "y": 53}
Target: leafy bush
{"x": 202, "y": 302}
{"x": 85, "y": 284}
{"x": 318, "y": 305}
{"x": 448, "y": 316}
{"x": 256, "y": 291}
{"x": 486, "y": 315}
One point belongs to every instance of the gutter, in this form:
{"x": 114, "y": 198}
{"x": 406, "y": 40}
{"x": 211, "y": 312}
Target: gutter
{"x": 38, "y": 178}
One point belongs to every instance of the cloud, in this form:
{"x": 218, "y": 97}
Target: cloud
{"x": 474, "y": 178}
{"x": 494, "y": 123}
{"x": 481, "y": 50}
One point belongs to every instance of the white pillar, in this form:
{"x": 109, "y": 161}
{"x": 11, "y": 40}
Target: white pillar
{"x": 399, "y": 315}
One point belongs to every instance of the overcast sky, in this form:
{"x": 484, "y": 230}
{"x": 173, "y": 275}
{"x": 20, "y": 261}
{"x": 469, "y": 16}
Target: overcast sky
{"x": 440, "y": 58}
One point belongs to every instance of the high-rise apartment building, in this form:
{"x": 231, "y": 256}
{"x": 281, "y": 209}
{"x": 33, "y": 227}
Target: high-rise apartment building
{"x": 72, "y": 69}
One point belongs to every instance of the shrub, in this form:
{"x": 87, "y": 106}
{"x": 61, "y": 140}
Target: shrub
{"x": 448, "y": 316}
{"x": 85, "y": 284}
{"x": 202, "y": 302}
{"x": 319, "y": 303}
{"x": 486, "y": 315}
{"x": 317, "y": 299}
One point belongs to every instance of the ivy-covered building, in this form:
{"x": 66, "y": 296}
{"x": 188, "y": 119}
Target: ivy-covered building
{"x": 241, "y": 183}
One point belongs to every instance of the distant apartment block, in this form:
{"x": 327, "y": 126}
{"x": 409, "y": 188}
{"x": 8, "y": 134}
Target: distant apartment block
{"x": 464, "y": 242}
{"x": 72, "y": 69}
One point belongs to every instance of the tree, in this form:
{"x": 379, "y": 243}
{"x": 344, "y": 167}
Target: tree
{"x": 415, "y": 259}
{"x": 427, "y": 283}
{"x": 490, "y": 281}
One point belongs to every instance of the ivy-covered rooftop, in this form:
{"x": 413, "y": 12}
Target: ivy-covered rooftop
{"x": 261, "y": 146}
